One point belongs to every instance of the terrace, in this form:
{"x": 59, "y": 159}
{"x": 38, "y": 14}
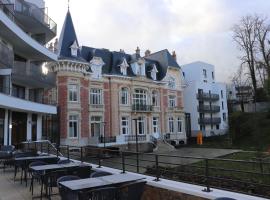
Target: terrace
{"x": 164, "y": 181}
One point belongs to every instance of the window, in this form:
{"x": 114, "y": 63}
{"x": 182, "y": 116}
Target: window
{"x": 204, "y": 73}
{"x": 213, "y": 75}
{"x": 73, "y": 126}
{"x": 124, "y": 125}
{"x": 184, "y": 75}
{"x": 221, "y": 94}
{"x": 95, "y": 96}
{"x": 224, "y": 116}
{"x": 74, "y": 49}
{"x": 171, "y": 127}
{"x": 172, "y": 101}
{"x": 217, "y": 127}
{"x": 179, "y": 125}
{"x": 171, "y": 83}
{"x": 139, "y": 97}
{"x": 155, "y": 124}
{"x": 123, "y": 67}
{"x": 155, "y": 98}
{"x": 73, "y": 93}
{"x": 140, "y": 124}
{"x": 222, "y": 104}
{"x": 124, "y": 96}
{"x": 154, "y": 72}
{"x": 96, "y": 126}
{"x": 202, "y": 127}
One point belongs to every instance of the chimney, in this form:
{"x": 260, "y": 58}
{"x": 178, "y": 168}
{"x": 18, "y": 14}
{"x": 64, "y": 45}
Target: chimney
{"x": 174, "y": 55}
{"x": 147, "y": 53}
{"x": 138, "y": 51}
{"x": 122, "y": 51}
{"x": 55, "y": 46}
{"x": 51, "y": 47}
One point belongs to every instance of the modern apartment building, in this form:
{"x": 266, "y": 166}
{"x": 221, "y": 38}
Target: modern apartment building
{"x": 205, "y": 100}
{"x": 25, "y": 30}
{"x": 108, "y": 96}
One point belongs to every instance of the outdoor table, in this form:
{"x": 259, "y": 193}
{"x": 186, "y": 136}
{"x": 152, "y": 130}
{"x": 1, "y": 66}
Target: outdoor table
{"x": 104, "y": 181}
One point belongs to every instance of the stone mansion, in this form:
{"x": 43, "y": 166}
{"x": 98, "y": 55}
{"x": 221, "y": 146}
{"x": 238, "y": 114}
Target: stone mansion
{"x": 108, "y": 96}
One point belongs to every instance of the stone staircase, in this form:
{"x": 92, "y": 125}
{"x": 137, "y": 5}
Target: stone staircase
{"x": 163, "y": 146}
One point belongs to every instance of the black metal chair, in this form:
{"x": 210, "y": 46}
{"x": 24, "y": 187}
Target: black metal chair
{"x": 64, "y": 193}
{"x": 66, "y": 161}
{"x": 131, "y": 191}
{"x": 99, "y": 174}
{"x": 7, "y": 148}
{"x": 6, "y": 154}
{"x": 106, "y": 193}
{"x": 35, "y": 175}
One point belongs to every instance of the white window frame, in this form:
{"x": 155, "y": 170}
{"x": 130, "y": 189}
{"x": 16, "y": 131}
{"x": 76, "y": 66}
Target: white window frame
{"x": 155, "y": 124}
{"x": 124, "y": 93}
{"x": 155, "y": 95}
{"x": 171, "y": 83}
{"x": 96, "y": 96}
{"x": 170, "y": 125}
{"x": 179, "y": 125}
{"x": 95, "y": 123}
{"x": 139, "y": 97}
{"x": 73, "y": 93}
{"x": 172, "y": 101}
{"x": 73, "y": 118}
{"x": 124, "y": 126}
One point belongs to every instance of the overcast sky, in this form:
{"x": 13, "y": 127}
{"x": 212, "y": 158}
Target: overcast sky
{"x": 195, "y": 29}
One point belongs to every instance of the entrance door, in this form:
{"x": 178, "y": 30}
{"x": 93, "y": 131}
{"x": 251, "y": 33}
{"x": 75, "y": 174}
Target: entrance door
{"x": 19, "y": 122}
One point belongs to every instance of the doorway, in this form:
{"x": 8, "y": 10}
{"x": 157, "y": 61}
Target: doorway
{"x": 19, "y": 123}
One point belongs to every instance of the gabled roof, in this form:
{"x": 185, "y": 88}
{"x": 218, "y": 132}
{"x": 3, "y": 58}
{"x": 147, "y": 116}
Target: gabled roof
{"x": 67, "y": 38}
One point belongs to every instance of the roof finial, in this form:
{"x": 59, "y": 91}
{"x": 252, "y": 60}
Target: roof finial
{"x": 68, "y": 4}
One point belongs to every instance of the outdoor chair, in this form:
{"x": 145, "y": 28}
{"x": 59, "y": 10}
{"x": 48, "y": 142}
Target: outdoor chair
{"x": 66, "y": 161}
{"x": 6, "y": 154}
{"x": 7, "y": 148}
{"x": 99, "y": 174}
{"x": 35, "y": 175}
{"x": 131, "y": 191}
{"x": 64, "y": 193}
{"x": 106, "y": 193}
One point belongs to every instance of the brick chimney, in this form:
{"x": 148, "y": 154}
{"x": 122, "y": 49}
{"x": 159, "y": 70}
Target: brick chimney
{"x": 138, "y": 51}
{"x": 174, "y": 56}
{"x": 147, "y": 53}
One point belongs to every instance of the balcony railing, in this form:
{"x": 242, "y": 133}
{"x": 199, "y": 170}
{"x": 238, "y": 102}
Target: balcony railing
{"x": 214, "y": 120}
{"x": 208, "y": 108}
{"x": 6, "y": 56}
{"x": 142, "y": 107}
{"x": 207, "y": 96}
{"x": 107, "y": 139}
{"x": 132, "y": 138}
{"x": 35, "y": 12}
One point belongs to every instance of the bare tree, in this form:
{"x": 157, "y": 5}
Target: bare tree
{"x": 245, "y": 36}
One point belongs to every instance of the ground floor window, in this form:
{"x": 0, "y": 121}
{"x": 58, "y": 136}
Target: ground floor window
{"x": 202, "y": 127}
{"x": 73, "y": 126}
{"x": 155, "y": 124}
{"x": 96, "y": 126}
{"x": 179, "y": 125}
{"x": 171, "y": 125}
{"x": 124, "y": 125}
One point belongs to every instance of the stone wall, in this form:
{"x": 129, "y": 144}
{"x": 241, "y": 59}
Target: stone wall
{"x": 153, "y": 193}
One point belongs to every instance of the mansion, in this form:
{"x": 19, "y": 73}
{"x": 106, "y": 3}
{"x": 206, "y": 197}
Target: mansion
{"x": 108, "y": 97}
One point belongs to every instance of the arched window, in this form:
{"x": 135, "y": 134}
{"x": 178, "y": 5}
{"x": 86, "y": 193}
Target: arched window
{"x": 155, "y": 98}
{"x": 124, "y": 96}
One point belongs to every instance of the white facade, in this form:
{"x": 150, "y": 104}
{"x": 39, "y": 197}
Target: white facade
{"x": 205, "y": 100}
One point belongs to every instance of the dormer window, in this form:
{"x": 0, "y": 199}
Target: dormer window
{"x": 171, "y": 83}
{"x": 123, "y": 67}
{"x": 138, "y": 67}
{"x": 154, "y": 72}
{"x": 96, "y": 65}
{"x": 74, "y": 49}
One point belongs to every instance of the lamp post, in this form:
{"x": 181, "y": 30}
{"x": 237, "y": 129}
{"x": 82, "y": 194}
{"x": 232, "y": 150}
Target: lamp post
{"x": 137, "y": 147}
{"x": 104, "y": 138}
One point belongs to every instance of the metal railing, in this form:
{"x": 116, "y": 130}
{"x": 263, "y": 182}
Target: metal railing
{"x": 142, "y": 107}
{"x": 132, "y": 138}
{"x": 251, "y": 177}
{"x": 214, "y": 120}
{"x": 208, "y": 96}
{"x": 107, "y": 139}
{"x": 6, "y": 56}
{"x": 208, "y": 108}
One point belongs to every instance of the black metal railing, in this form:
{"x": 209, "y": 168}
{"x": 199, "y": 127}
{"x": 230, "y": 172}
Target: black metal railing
{"x": 244, "y": 176}
{"x": 132, "y": 138}
{"x": 208, "y": 120}
{"x": 208, "y": 96}
{"x": 107, "y": 139}
{"x": 208, "y": 108}
{"x": 142, "y": 107}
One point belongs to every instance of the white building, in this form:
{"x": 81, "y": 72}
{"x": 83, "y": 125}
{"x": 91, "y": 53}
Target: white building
{"x": 25, "y": 29}
{"x": 205, "y": 100}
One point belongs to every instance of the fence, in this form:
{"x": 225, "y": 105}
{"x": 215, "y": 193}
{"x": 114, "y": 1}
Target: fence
{"x": 251, "y": 177}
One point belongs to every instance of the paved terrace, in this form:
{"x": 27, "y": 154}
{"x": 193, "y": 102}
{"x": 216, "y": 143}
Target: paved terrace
{"x": 162, "y": 190}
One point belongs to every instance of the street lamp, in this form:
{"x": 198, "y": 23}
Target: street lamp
{"x": 137, "y": 147}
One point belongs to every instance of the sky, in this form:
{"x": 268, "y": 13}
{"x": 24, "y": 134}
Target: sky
{"x": 198, "y": 30}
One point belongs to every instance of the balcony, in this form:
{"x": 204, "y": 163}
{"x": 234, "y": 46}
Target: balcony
{"x": 208, "y": 97}
{"x": 208, "y": 108}
{"x": 142, "y": 108}
{"x": 31, "y": 75}
{"x": 214, "y": 120}
{"x": 6, "y": 56}
{"x": 35, "y": 20}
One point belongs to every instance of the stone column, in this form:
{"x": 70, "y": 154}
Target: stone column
{"x": 39, "y": 127}
{"x": 29, "y": 126}
{"x": 6, "y": 127}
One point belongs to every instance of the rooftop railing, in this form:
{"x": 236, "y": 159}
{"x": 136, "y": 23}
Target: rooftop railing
{"x": 208, "y": 96}
{"x": 251, "y": 177}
